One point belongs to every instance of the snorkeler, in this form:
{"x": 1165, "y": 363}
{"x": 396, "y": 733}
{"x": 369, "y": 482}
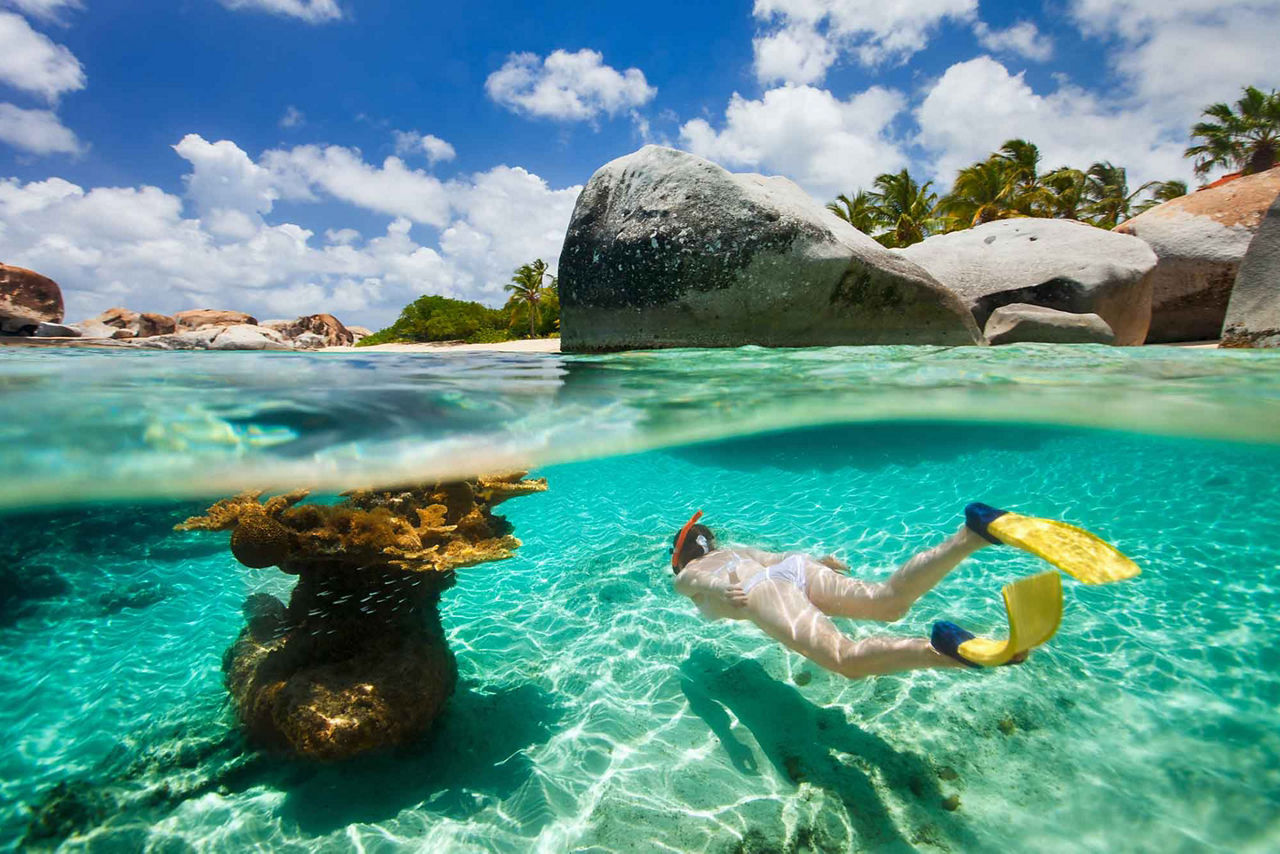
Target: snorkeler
{"x": 792, "y": 598}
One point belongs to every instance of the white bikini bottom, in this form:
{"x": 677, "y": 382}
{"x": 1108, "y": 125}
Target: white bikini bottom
{"x": 788, "y": 569}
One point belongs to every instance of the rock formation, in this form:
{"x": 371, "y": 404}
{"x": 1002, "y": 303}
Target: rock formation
{"x": 233, "y": 337}
{"x": 666, "y": 249}
{"x": 27, "y": 299}
{"x": 1200, "y": 239}
{"x": 1053, "y": 263}
{"x": 1253, "y": 316}
{"x": 327, "y": 330}
{"x": 202, "y": 317}
{"x": 142, "y": 325}
{"x": 1021, "y": 323}
{"x": 357, "y": 659}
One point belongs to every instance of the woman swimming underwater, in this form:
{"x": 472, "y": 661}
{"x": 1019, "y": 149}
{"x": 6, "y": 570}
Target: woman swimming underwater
{"x": 792, "y": 598}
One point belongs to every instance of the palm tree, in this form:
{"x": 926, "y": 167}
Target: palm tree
{"x": 983, "y": 192}
{"x": 909, "y": 210}
{"x": 860, "y": 211}
{"x": 527, "y": 288}
{"x": 1066, "y": 193}
{"x": 1165, "y": 191}
{"x": 1109, "y": 200}
{"x": 1022, "y": 164}
{"x": 1246, "y": 139}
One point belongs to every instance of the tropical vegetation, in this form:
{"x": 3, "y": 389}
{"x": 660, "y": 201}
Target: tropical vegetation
{"x": 534, "y": 306}
{"x": 1010, "y": 183}
{"x": 1243, "y": 139}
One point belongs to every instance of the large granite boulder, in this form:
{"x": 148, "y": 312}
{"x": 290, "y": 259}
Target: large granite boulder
{"x": 666, "y": 249}
{"x": 27, "y": 299}
{"x": 237, "y": 337}
{"x": 98, "y": 330}
{"x": 201, "y": 317}
{"x": 142, "y": 325}
{"x": 1253, "y": 316}
{"x": 328, "y": 328}
{"x": 1053, "y": 263}
{"x": 1200, "y": 240}
{"x": 1022, "y": 323}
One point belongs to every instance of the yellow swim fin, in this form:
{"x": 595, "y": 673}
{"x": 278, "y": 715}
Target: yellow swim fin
{"x": 1034, "y": 606}
{"x": 1073, "y": 550}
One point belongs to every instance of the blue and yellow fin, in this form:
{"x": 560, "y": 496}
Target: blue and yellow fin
{"x": 1073, "y": 550}
{"x": 1034, "y": 606}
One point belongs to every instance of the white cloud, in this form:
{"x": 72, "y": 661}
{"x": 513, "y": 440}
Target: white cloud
{"x": 311, "y": 11}
{"x": 32, "y": 62}
{"x": 876, "y": 31}
{"x": 392, "y": 189}
{"x": 47, "y": 10}
{"x": 1178, "y": 56}
{"x": 826, "y": 145}
{"x": 36, "y": 131}
{"x": 567, "y": 86}
{"x": 139, "y": 246}
{"x": 795, "y": 54}
{"x": 292, "y": 118}
{"x": 978, "y": 104}
{"x": 1023, "y": 39}
{"x": 435, "y": 148}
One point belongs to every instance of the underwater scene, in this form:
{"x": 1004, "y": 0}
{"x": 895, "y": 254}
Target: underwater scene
{"x": 593, "y": 708}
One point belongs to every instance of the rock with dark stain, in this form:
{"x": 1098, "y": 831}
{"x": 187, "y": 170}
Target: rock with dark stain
{"x": 136, "y": 595}
{"x": 666, "y": 249}
{"x": 951, "y": 803}
{"x": 946, "y": 772}
{"x": 803, "y": 678}
{"x": 1007, "y": 726}
{"x": 27, "y": 299}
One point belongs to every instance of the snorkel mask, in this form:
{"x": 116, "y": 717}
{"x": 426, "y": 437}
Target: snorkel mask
{"x": 684, "y": 533}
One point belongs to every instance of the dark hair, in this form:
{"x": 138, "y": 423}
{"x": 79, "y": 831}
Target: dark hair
{"x": 697, "y": 543}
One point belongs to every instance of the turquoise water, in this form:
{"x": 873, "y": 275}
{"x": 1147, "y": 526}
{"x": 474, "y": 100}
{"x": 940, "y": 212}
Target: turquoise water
{"x": 595, "y": 711}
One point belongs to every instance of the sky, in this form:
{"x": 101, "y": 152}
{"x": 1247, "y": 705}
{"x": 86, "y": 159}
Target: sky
{"x": 287, "y": 157}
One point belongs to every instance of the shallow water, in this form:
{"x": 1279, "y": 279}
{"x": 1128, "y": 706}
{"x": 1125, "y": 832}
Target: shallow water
{"x": 597, "y": 712}
{"x": 101, "y": 424}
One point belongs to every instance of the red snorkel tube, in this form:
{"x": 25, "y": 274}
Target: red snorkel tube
{"x": 684, "y": 532}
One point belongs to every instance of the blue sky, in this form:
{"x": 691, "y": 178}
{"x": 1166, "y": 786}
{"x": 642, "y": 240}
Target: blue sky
{"x": 293, "y": 156}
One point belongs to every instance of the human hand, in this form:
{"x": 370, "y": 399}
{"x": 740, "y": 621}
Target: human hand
{"x": 733, "y": 596}
{"x": 834, "y": 562}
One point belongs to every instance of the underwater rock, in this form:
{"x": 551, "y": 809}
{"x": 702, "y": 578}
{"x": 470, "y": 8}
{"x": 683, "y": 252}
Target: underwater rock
{"x": 666, "y": 249}
{"x": 951, "y": 803}
{"x": 1019, "y": 323}
{"x": 139, "y": 594}
{"x": 1200, "y": 239}
{"x": 1253, "y": 316}
{"x": 1007, "y": 726}
{"x": 357, "y": 660}
{"x": 21, "y": 585}
{"x": 1053, "y": 263}
{"x": 27, "y": 299}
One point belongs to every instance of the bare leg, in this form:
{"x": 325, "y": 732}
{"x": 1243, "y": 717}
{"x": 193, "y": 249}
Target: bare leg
{"x": 787, "y": 615}
{"x": 842, "y": 596}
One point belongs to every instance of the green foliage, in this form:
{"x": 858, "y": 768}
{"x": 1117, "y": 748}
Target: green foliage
{"x": 548, "y": 320}
{"x": 529, "y": 289}
{"x": 1007, "y": 184}
{"x": 432, "y": 318}
{"x": 1245, "y": 138}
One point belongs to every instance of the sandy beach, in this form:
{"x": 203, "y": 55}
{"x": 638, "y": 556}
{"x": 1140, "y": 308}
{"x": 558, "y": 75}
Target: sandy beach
{"x": 534, "y": 345}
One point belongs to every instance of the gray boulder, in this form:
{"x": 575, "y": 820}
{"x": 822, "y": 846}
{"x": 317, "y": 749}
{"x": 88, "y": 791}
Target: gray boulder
{"x": 666, "y": 249}
{"x": 1022, "y": 323}
{"x": 56, "y": 330}
{"x": 1253, "y": 316}
{"x": 1053, "y": 263}
{"x": 96, "y": 329}
{"x": 236, "y": 337}
{"x": 1200, "y": 240}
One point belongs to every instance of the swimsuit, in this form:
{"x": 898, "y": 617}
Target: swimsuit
{"x": 790, "y": 568}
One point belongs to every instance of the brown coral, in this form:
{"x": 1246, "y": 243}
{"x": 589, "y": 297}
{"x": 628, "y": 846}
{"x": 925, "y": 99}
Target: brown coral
{"x": 357, "y": 659}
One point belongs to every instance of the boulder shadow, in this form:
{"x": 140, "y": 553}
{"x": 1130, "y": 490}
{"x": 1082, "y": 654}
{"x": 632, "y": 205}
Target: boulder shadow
{"x": 819, "y": 746}
{"x": 473, "y": 756}
{"x": 864, "y": 447}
